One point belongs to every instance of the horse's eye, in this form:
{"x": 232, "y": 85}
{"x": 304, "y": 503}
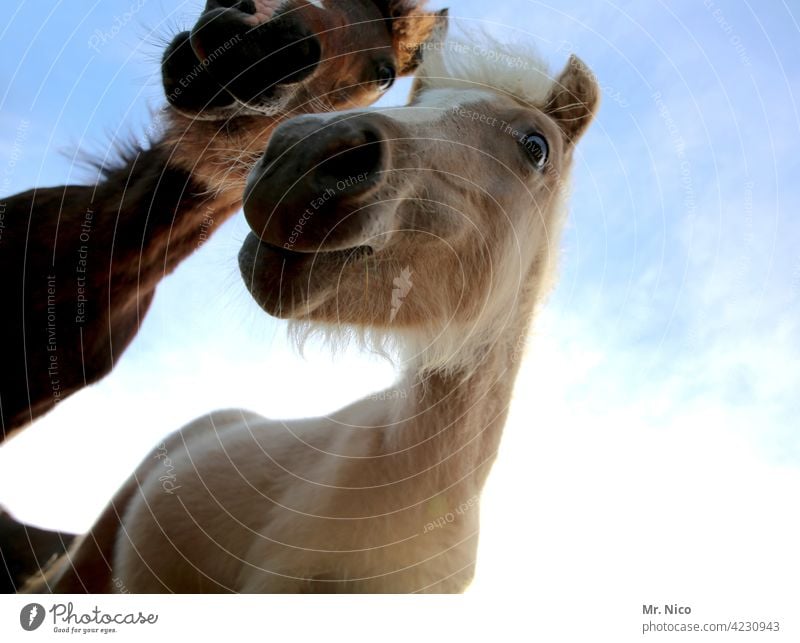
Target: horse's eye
{"x": 537, "y": 149}
{"x": 386, "y": 76}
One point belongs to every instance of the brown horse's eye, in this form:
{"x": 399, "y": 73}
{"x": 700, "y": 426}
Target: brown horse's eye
{"x": 386, "y": 76}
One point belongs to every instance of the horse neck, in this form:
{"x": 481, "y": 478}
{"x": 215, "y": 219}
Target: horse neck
{"x": 164, "y": 202}
{"x": 450, "y": 423}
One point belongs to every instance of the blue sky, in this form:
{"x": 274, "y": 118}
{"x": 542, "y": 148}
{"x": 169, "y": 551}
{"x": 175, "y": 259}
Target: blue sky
{"x": 676, "y": 324}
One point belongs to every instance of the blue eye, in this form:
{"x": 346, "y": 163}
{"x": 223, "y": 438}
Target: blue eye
{"x": 537, "y": 149}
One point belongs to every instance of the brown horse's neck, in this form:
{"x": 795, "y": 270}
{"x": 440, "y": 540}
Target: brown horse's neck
{"x": 164, "y": 202}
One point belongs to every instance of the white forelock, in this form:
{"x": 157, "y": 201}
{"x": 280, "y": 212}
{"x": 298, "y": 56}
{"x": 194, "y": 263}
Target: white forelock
{"x": 480, "y": 61}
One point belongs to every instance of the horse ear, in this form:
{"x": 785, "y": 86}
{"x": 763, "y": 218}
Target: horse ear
{"x": 413, "y": 31}
{"x": 574, "y": 100}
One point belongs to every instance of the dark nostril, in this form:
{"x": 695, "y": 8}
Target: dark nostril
{"x": 253, "y": 62}
{"x": 245, "y": 6}
{"x": 309, "y": 53}
{"x": 186, "y": 83}
{"x": 352, "y": 160}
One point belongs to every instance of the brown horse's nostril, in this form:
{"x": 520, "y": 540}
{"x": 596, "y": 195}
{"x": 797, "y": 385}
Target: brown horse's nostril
{"x": 186, "y": 84}
{"x": 245, "y": 6}
{"x": 250, "y": 62}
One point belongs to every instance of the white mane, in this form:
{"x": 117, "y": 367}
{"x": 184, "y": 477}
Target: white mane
{"x": 477, "y": 60}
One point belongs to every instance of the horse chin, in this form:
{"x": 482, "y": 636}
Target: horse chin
{"x": 275, "y": 103}
{"x": 290, "y": 284}
{"x": 279, "y": 104}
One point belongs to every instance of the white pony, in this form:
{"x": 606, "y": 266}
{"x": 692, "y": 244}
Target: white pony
{"x": 464, "y": 204}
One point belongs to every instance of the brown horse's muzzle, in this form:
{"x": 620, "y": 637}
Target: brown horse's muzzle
{"x": 308, "y": 192}
{"x": 225, "y": 58}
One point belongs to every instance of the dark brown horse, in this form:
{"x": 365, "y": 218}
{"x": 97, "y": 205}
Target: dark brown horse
{"x": 24, "y": 550}
{"x": 81, "y": 264}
